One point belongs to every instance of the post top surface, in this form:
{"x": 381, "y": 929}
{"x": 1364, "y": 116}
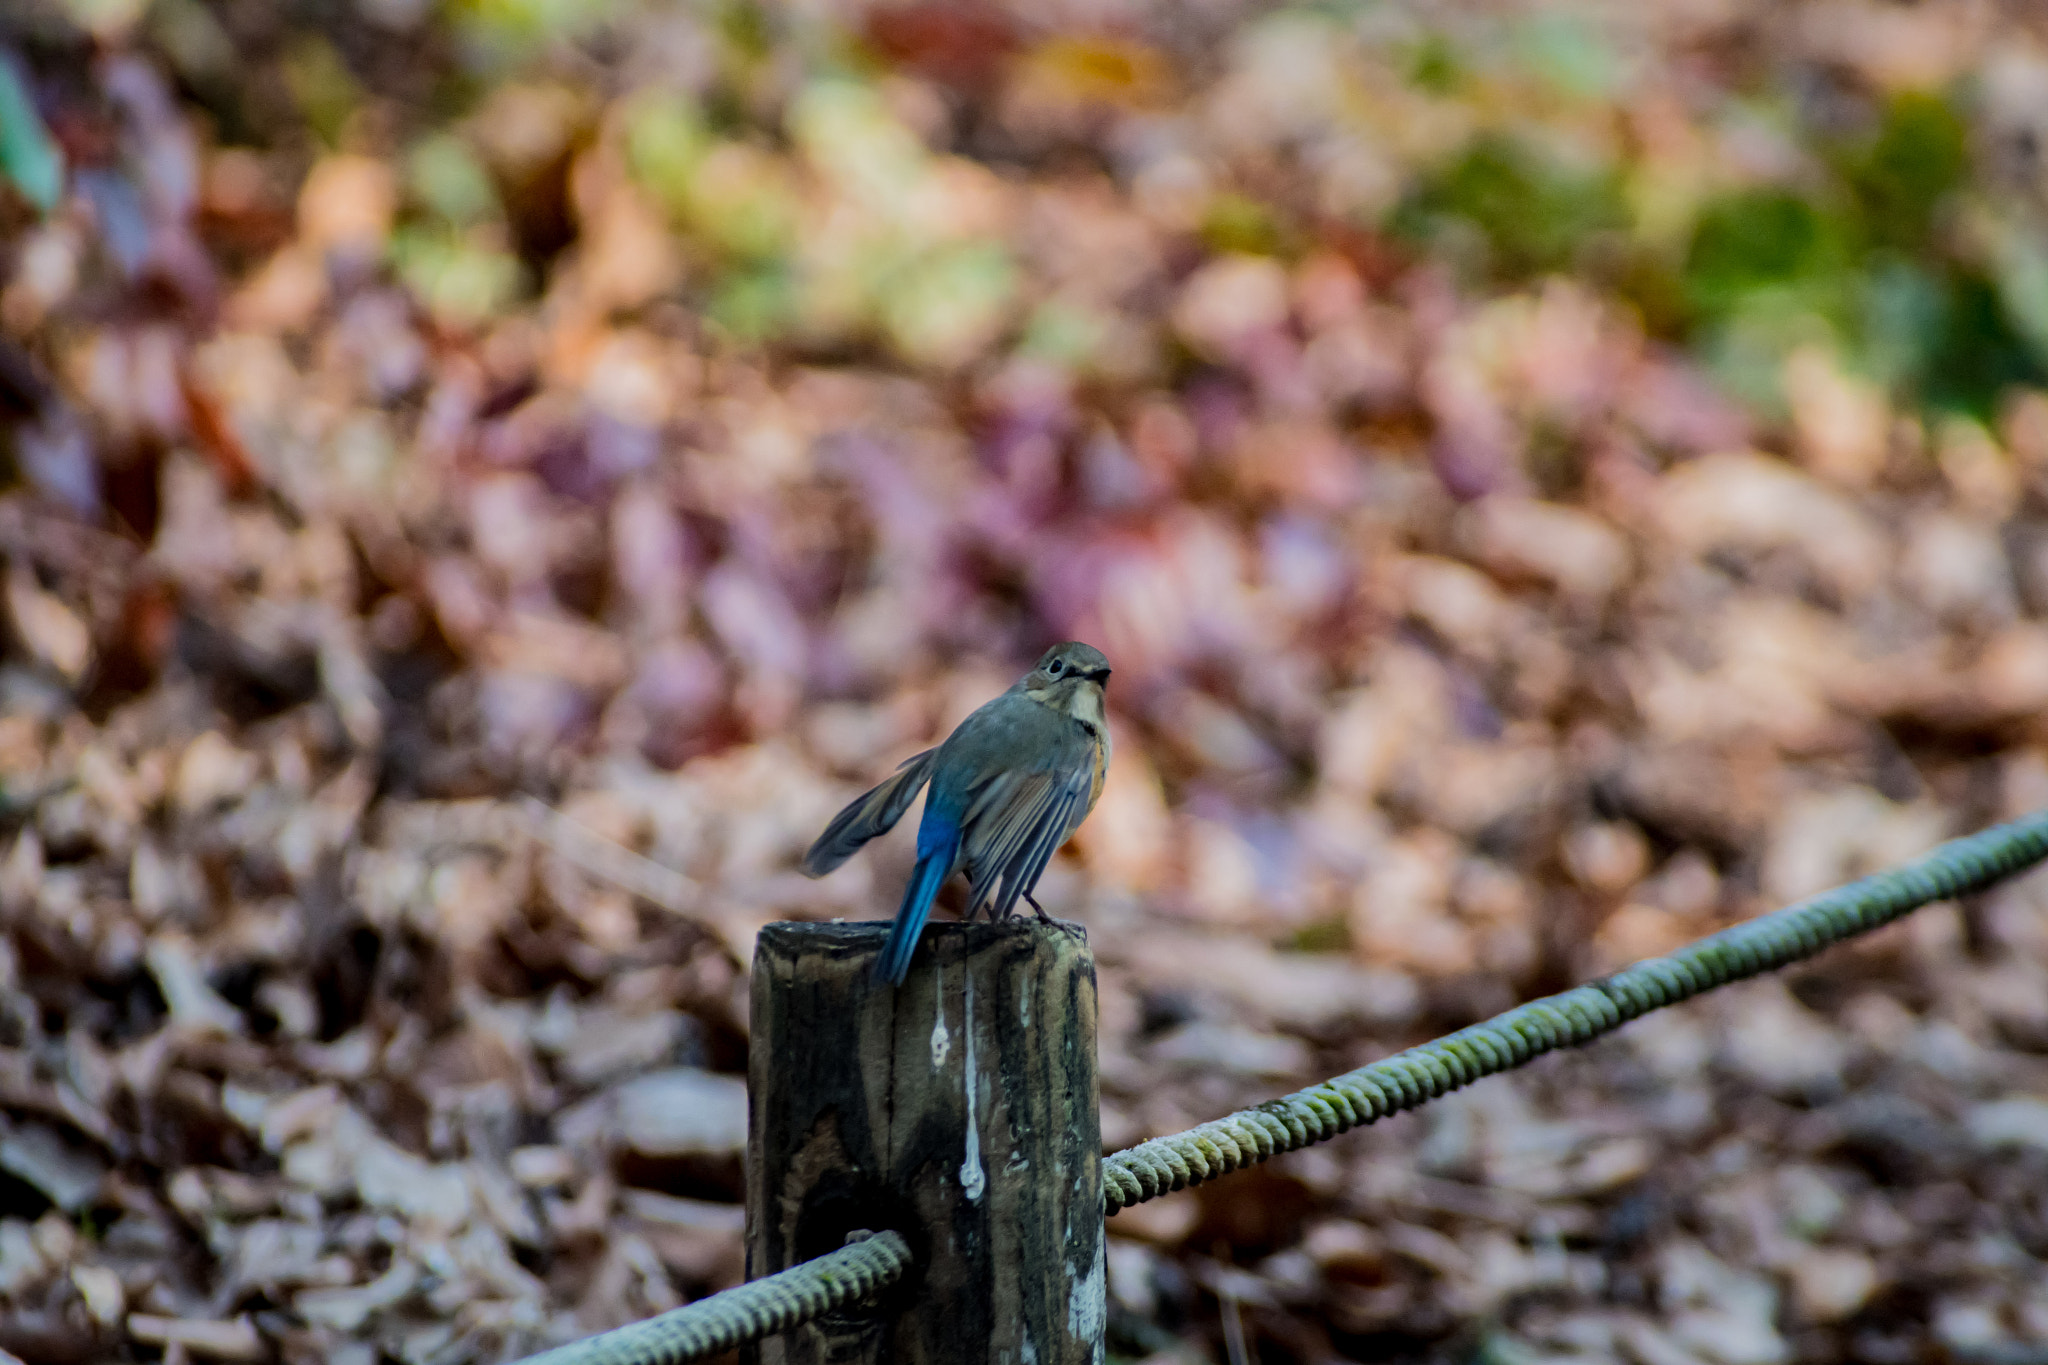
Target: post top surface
{"x": 950, "y": 938}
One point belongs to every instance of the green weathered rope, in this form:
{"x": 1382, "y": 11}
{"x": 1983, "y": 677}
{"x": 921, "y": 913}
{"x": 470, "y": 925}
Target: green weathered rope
{"x": 1421, "y": 1074}
{"x": 774, "y": 1303}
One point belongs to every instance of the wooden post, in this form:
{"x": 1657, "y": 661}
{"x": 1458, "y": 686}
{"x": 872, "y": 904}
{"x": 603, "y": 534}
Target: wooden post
{"x": 958, "y": 1109}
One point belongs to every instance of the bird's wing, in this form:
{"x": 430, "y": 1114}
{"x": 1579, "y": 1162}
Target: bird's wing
{"x": 872, "y": 813}
{"x": 1021, "y": 816}
{"x": 1043, "y": 841}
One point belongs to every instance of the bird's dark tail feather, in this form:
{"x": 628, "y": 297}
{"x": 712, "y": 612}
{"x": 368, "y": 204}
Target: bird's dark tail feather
{"x": 894, "y": 963}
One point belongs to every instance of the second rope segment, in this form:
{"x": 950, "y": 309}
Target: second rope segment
{"x": 1413, "y": 1078}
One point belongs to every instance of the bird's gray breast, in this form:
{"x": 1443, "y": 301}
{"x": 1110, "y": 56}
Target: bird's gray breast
{"x": 1011, "y": 734}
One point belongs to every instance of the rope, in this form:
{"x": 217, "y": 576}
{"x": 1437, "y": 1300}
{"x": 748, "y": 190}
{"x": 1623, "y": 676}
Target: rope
{"x": 763, "y": 1307}
{"x": 1421, "y": 1074}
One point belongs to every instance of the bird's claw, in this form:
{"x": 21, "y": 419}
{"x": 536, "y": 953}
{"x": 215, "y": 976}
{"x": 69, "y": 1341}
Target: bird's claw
{"x": 1071, "y": 930}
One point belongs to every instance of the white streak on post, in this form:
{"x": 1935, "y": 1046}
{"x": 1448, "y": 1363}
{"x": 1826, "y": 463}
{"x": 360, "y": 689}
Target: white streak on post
{"x": 1088, "y": 1301}
{"x": 942, "y": 1041}
{"x": 972, "y": 1179}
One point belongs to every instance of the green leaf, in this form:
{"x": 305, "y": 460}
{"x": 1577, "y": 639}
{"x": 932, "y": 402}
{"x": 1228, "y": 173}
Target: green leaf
{"x": 445, "y": 175}
{"x": 1902, "y": 312}
{"x": 755, "y": 303}
{"x": 326, "y": 91}
{"x": 1530, "y": 209}
{"x": 2022, "y": 274}
{"x": 28, "y": 155}
{"x": 1977, "y": 355}
{"x": 950, "y": 303}
{"x": 1434, "y": 65}
{"x": 463, "y": 279}
{"x": 1236, "y": 223}
{"x": 1765, "y": 240}
{"x": 1920, "y": 155}
{"x": 665, "y": 142}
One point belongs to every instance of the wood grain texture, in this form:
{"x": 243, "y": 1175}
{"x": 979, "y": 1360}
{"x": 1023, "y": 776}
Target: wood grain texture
{"x": 861, "y": 1118}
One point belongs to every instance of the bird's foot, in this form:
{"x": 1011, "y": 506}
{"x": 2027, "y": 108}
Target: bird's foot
{"x": 1067, "y": 927}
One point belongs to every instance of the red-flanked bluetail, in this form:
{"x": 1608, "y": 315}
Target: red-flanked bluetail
{"x": 1007, "y": 788}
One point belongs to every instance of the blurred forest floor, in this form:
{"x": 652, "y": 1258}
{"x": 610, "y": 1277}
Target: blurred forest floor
{"x": 485, "y": 480}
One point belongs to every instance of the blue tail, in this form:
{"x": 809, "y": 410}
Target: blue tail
{"x": 930, "y": 874}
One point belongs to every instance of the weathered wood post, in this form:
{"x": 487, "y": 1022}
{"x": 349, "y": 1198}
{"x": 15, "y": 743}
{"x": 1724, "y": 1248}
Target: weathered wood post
{"x": 958, "y": 1109}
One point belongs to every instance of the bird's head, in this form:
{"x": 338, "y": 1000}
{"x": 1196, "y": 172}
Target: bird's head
{"x": 1066, "y": 674}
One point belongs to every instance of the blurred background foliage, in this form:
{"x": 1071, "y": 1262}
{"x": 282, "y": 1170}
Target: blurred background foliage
{"x": 481, "y": 481}
{"x": 1748, "y": 208}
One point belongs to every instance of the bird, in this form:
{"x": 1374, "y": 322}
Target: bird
{"x": 1007, "y": 788}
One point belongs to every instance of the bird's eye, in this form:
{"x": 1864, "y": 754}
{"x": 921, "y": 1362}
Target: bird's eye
{"x": 1056, "y": 667}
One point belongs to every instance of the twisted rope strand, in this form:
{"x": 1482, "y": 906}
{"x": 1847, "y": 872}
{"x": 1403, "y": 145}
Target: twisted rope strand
{"x": 1415, "y": 1077}
{"x": 774, "y": 1303}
